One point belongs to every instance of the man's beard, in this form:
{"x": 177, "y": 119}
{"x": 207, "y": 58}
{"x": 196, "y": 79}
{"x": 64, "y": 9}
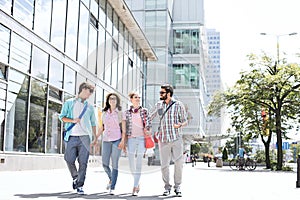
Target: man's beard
{"x": 163, "y": 98}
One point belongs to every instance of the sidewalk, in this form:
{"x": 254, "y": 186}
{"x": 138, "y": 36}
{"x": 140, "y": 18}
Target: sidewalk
{"x": 199, "y": 182}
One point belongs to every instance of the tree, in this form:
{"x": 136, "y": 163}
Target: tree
{"x": 267, "y": 86}
{"x": 195, "y": 148}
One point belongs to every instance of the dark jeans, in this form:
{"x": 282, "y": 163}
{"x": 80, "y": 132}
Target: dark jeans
{"x": 78, "y": 147}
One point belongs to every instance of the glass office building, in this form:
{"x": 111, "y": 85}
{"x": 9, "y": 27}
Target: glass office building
{"x": 175, "y": 29}
{"x": 47, "y": 48}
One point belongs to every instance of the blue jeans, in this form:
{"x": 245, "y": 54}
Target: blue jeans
{"x": 111, "y": 150}
{"x": 78, "y": 147}
{"x": 136, "y": 148}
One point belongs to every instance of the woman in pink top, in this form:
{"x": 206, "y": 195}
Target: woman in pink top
{"x": 137, "y": 125}
{"x": 113, "y": 139}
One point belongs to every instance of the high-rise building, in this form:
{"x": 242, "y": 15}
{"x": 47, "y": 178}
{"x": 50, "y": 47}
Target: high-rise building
{"x": 213, "y": 83}
{"x": 175, "y": 30}
{"x": 47, "y": 48}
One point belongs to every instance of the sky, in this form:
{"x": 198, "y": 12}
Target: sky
{"x": 240, "y": 23}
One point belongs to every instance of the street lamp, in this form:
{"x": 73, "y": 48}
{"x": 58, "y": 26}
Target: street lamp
{"x": 277, "y": 38}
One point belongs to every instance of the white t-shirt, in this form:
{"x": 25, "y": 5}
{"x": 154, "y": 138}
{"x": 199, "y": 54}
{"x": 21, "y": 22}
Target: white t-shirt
{"x": 79, "y": 129}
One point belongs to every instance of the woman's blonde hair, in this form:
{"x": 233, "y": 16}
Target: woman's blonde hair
{"x": 131, "y": 94}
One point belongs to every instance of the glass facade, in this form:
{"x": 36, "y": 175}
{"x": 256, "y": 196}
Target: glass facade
{"x": 186, "y": 41}
{"x": 174, "y": 29}
{"x": 47, "y": 48}
{"x": 186, "y": 76}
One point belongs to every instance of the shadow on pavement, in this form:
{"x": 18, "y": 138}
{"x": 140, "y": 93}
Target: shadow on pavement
{"x": 257, "y": 170}
{"x": 72, "y": 195}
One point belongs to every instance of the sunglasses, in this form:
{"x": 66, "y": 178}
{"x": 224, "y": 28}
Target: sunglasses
{"x": 161, "y": 92}
{"x": 112, "y": 98}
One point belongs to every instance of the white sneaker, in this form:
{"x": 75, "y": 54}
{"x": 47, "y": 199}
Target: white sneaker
{"x": 112, "y": 192}
{"x": 80, "y": 191}
{"x": 166, "y": 193}
{"x": 178, "y": 192}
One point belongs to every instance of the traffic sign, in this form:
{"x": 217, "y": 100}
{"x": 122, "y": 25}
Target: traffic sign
{"x": 285, "y": 145}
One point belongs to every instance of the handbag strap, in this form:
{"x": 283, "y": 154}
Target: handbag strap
{"x": 162, "y": 116}
{"x": 80, "y": 116}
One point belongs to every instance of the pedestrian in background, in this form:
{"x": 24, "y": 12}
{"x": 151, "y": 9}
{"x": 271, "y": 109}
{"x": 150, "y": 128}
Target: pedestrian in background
{"x": 242, "y": 152}
{"x": 113, "y": 139}
{"x": 209, "y": 158}
{"x": 194, "y": 160}
{"x": 138, "y": 125}
{"x": 80, "y": 122}
{"x": 172, "y": 118}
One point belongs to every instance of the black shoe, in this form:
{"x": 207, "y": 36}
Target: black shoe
{"x": 166, "y": 193}
{"x": 178, "y": 192}
{"x": 74, "y": 185}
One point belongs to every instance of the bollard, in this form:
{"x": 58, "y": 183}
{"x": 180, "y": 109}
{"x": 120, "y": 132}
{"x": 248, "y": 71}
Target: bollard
{"x": 298, "y": 172}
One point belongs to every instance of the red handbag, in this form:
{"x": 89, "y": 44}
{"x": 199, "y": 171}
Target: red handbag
{"x": 149, "y": 143}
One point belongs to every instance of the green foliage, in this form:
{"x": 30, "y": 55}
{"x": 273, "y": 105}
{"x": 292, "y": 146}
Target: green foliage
{"x": 284, "y": 167}
{"x": 231, "y": 146}
{"x": 260, "y": 156}
{"x": 195, "y": 148}
{"x": 205, "y": 148}
{"x": 269, "y": 84}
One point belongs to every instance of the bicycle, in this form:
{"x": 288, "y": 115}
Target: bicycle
{"x": 243, "y": 163}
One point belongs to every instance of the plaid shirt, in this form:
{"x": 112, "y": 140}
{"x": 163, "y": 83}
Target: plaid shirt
{"x": 145, "y": 117}
{"x": 176, "y": 114}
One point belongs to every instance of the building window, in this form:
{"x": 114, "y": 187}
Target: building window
{"x": 56, "y": 72}
{"x": 5, "y": 5}
{"x": 102, "y": 16}
{"x": 37, "y": 116}
{"x": 114, "y": 65}
{"x": 186, "y": 41}
{"x": 3, "y": 71}
{"x": 42, "y": 18}
{"x": 17, "y": 105}
{"x": 54, "y": 138}
{"x": 92, "y": 54}
{"x": 115, "y": 26}
{"x": 20, "y": 53}
{"x": 94, "y": 21}
{"x": 23, "y": 12}
{"x": 3, "y": 89}
{"x": 185, "y": 76}
{"x": 83, "y": 35}
{"x": 39, "y": 64}
{"x": 4, "y": 44}
{"x": 108, "y": 59}
{"x": 69, "y": 80}
{"x": 150, "y": 4}
{"x": 109, "y": 19}
{"x": 94, "y": 7}
{"x": 101, "y": 52}
{"x": 121, "y": 74}
{"x": 72, "y": 28}
{"x": 58, "y": 23}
